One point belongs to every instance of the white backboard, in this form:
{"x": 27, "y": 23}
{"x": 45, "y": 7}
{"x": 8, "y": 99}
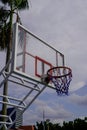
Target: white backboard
{"x": 32, "y": 56}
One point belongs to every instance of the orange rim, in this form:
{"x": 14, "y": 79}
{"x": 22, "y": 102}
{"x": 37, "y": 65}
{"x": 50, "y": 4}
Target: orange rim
{"x": 69, "y": 73}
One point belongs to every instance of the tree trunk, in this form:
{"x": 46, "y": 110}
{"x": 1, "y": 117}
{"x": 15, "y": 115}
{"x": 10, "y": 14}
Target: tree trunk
{"x": 8, "y": 54}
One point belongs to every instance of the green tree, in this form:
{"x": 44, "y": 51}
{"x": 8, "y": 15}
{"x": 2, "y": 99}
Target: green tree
{"x": 68, "y": 125}
{"x": 80, "y": 124}
{"x": 39, "y": 126}
{"x": 47, "y": 125}
{"x": 8, "y": 8}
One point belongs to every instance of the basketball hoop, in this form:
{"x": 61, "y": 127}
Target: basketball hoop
{"x": 61, "y": 77}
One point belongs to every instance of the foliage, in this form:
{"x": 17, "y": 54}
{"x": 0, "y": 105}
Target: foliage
{"x": 7, "y": 10}
{"x": 4, "y": 28}
{"x": 77, "y": 124}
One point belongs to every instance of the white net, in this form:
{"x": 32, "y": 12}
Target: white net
{"x": 61, "y": 78}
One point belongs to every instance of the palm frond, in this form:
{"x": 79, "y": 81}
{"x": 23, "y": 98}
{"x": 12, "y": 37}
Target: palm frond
{"x": 4, "y": 14}
{"x": 4, "y": 36}
{"x": 20, "y": 4}
{"x": 4, "y": 1}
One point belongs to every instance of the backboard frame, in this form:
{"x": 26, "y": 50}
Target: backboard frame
{"x": 36, "y": 57}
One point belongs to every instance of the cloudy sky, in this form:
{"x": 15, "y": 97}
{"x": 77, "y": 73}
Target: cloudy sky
{"x": 63, "y": 24}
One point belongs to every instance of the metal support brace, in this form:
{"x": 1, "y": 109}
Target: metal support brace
{"x": 34, "y": 89}
{"x": 23, "y": 103}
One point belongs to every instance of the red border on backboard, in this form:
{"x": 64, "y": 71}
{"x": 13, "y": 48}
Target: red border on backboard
{"x": 43, "y": 61}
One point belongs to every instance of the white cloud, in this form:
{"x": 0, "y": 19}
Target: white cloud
{"x": 78, "y": 100}
{"x": 63, "y": 24}
{"x": 77, "y": 86}
{"x": 52, "y": 111}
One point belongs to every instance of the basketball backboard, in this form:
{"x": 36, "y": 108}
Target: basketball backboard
{"x": 32, "y": 56}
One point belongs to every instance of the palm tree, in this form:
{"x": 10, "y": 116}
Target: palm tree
{"x": 6, "y": 14}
